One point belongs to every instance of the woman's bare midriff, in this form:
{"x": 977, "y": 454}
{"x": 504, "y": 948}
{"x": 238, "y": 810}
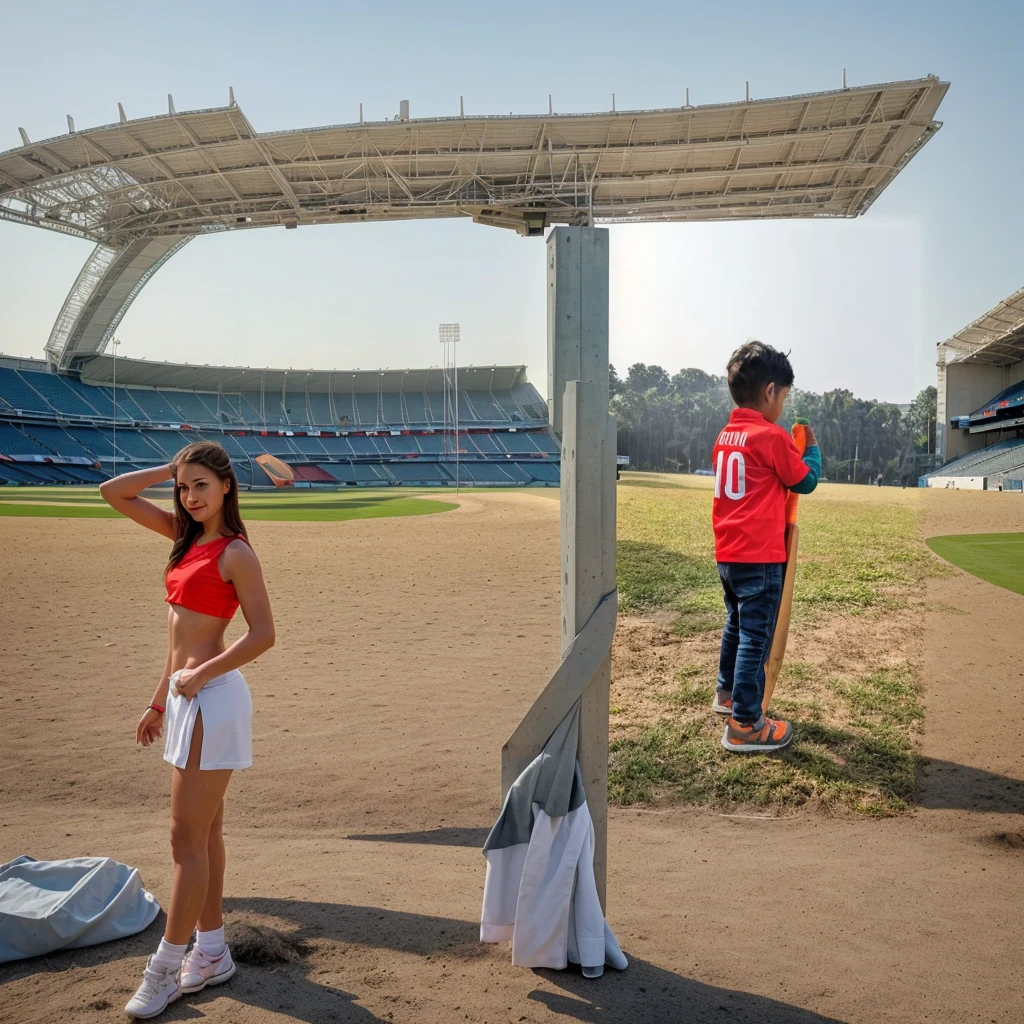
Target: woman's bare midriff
{"x": 195, "y": 638}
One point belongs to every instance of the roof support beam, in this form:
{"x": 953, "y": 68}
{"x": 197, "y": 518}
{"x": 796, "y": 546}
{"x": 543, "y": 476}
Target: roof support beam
{"x": 276, "y": 174}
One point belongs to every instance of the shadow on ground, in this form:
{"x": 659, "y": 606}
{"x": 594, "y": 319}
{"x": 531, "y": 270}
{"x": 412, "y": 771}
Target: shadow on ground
{"x": 655, "y": 996}
{"x": 643, "y": 993}
{"x": 470, "y": 838}
{"x": 946, "y": 785}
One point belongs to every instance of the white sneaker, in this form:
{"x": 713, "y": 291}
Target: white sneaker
{"x": 200, "y": 969}
{"x": 158, "y": 989}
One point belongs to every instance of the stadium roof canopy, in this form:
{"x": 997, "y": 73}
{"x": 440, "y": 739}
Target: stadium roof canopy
{"x": 997, "y": 338}
{"x": 824, "y": 154}
{"x": 232, "y": 379}
{"x": 142, "y": 189}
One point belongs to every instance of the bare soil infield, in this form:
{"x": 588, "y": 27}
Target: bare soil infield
{"x": 407, "y": 651}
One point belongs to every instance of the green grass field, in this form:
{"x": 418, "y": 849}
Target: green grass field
{"x": 861, "y": 562}
{"x": 855, "y": 553}
{"x": 994, "y": 557}
{"x": 286, "y": 506}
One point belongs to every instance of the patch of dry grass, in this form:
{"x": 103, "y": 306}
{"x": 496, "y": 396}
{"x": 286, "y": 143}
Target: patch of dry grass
{"x": 850, "y": 685}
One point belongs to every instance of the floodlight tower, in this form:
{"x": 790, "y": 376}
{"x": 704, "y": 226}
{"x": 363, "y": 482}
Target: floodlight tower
{"x": 115, "y": 343}
{"x": 448, "y": 335}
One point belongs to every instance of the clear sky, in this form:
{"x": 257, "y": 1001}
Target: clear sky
{"x": 861, "y": 303}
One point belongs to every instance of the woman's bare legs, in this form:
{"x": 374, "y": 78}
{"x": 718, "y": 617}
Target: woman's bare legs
{"x": 197, "y": 801}
{"x": 211, "y": 917}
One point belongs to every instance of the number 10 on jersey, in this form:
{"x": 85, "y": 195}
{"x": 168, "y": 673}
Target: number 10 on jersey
{"x": 732, "y": 471}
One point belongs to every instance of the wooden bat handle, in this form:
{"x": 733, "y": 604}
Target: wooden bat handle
{"x": 778, "y": 651}
{"x": 793, "y": 499}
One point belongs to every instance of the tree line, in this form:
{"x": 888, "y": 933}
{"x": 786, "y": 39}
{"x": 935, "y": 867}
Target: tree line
{"x": 669, "y": 423}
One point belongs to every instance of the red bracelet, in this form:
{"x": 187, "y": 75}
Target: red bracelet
{"x": 156, "y": 707}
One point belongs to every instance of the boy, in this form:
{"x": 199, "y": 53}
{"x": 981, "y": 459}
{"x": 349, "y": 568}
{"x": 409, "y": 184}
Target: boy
{"x": 755, "y": 462}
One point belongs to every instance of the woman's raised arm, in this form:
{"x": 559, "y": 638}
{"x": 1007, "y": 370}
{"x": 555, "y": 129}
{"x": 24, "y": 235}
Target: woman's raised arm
{"x": 122, "y": 493}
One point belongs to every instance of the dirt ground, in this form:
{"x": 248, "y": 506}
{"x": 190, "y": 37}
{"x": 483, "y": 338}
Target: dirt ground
{"x": 407, "y": 651}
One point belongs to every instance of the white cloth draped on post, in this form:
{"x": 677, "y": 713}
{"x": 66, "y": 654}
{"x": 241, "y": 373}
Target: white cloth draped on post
{"x": 540, "y": 890}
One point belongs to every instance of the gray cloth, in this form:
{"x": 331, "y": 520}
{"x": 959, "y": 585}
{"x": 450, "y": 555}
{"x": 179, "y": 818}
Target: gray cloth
{"x": 66, "y": 904}
{"x": 552, "y": 780}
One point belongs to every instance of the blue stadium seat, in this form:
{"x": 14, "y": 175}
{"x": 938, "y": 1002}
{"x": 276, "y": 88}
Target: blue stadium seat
{"x": 169, "y": 442}
{"x": 252, "y": 444}
{"x": 16, "y": 442}
{"x": 363, "y": 445}
{"x": 546, "y": 472}
{"x": 415, "y": 408}
{"x": 93, "y": 440}
{"x": 391, "y": 412}
{"x": 1001, "y": 457}
{"x": 278, "y": 446}
{"x": 134, "y": 444}
{"x": 517, "y": 444}
{"x": 58, "y": 441}
{"x": 309, "y": 446}
{"x": 482, "y": 443}
{"x": 57, "y": 393}
{"x": 249, "y": 409}
{"x": 320, "y": 411}
{"x": 155, "y": 405}
{"x": 232, "y": 446}
{"x": 417, "y": 472}
{"x": 487, "y": 473}
{"x": 19, "y": 394}
{"x": 356, "y": 473}
{"x": 403, "y": 445}
{"x": 363, "y": 410}
{"x": 14, "y": 473}
{"x": 430, "y": 444}
{"x": 96, "y": 398}
{"x": 337, "y": 447}
{"x": 191, "y": 408}
{"x": 127, "y": 407}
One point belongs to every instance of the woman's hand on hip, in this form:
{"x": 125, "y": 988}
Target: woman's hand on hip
{"x": 150, "y": 727}
{"x": 188, "y": 683}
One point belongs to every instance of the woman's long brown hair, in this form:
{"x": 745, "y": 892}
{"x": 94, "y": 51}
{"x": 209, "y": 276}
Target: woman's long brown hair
{"x": 213, "y": 457}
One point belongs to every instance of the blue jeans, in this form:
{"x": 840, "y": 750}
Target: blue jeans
{"x": 752, "y": 594}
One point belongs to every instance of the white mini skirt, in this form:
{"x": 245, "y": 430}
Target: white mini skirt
{"x": 227, "y": 724}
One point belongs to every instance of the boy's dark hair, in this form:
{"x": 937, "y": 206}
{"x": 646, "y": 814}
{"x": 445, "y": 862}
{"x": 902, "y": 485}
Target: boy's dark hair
{"x": 754, "y": 365}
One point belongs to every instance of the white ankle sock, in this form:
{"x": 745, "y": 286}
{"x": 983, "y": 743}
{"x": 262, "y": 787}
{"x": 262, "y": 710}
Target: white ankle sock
{"x": 211, "y": 942}
{"x": 168, "y": 956}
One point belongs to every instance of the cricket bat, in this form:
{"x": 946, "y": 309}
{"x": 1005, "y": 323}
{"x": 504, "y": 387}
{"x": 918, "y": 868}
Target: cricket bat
{"x": 773, "y": 666}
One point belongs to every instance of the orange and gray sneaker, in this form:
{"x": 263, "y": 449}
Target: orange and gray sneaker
{"x": 762, "y": 736}
{"x": 723, "y": 703}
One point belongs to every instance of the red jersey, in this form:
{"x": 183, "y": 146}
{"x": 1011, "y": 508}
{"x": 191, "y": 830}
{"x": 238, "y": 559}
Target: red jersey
{"x": 754, "y": 462}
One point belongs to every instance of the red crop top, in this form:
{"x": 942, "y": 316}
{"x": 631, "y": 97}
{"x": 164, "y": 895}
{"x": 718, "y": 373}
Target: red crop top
{"x": 195, "y": 582}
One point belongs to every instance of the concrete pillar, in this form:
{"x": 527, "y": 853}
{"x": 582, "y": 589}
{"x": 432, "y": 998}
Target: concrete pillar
{"x": 577, "y": 314}
{"x": 578, "y": 383}
{"x": 578, "y": 407}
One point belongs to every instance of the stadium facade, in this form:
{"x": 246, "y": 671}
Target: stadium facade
{"x": 143, "y": 189}
{"x": 980, "y": 407}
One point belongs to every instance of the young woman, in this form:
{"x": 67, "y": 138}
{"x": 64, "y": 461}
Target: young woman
{"x": 202, "y": 702}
